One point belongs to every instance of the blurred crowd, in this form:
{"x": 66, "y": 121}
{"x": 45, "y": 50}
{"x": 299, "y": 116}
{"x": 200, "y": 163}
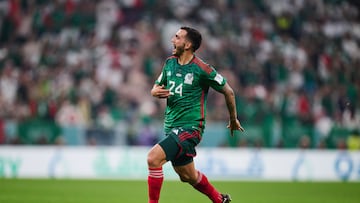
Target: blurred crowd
{"x": 86, "y": 67}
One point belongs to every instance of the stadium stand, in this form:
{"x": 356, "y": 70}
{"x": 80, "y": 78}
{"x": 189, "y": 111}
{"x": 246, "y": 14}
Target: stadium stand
{"x": 79, "y": 72}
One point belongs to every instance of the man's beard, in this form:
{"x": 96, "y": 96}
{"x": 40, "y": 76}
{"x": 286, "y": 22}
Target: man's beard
{"x": 179, "y": 51}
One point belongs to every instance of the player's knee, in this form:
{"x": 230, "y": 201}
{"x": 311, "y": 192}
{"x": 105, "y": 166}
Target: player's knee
{"x": 156, "y": 157}
{"x": 153, "y": 160}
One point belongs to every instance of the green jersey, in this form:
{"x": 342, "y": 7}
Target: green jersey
{"x": 188, "y": 85}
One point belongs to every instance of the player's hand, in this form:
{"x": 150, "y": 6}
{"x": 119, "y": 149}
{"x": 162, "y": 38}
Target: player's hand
{"x": 159, "y": 91}
{"x": 235, "y": 125}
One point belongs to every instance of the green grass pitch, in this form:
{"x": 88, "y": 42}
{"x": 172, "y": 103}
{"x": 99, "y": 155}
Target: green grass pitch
{"x": 121, "y": 191}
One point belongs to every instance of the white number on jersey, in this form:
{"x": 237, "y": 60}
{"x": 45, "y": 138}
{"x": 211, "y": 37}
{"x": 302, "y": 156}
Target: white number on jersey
{"x": 175, "y": 89}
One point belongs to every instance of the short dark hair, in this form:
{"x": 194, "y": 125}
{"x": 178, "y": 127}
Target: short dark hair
{"x": 193, "y": 36}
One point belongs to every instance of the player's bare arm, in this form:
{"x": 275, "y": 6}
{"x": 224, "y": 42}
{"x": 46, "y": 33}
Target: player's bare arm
{"x": 159, "y": 91}
{"x": 234, "y": 123}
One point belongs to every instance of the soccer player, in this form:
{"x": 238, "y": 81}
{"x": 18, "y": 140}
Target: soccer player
{"x": 184, "y": 82}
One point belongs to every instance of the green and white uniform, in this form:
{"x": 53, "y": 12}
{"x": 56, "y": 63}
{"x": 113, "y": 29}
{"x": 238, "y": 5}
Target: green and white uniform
{"x": 188, "y": 85}
{"x": 186, "y": 106}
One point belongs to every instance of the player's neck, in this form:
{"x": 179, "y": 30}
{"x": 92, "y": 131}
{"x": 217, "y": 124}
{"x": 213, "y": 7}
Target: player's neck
{"x": 185, "y": 58}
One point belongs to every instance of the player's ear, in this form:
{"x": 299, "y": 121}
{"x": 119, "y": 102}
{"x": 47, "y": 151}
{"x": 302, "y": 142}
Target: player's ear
{"x": 188, "y": 45}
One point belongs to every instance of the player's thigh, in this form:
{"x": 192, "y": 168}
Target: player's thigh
{"x": 156, "y": 156}
{"x": 170, "y": 147}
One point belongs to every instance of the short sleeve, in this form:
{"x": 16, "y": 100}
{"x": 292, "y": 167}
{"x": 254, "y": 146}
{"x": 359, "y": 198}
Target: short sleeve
{"x": 214, "y": 79}
{"x": 161, "y": 80}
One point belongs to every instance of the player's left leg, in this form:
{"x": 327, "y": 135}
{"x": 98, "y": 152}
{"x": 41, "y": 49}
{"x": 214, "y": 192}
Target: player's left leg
{"x": 199, "y": 181}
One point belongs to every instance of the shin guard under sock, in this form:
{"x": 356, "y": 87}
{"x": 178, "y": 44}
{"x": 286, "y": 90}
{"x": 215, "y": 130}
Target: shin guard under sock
{"x": 205, "y": 187}
{"x": 155, "y": 180}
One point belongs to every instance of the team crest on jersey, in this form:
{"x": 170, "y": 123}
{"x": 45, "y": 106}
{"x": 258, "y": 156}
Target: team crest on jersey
{"x": 189, "y": 78}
